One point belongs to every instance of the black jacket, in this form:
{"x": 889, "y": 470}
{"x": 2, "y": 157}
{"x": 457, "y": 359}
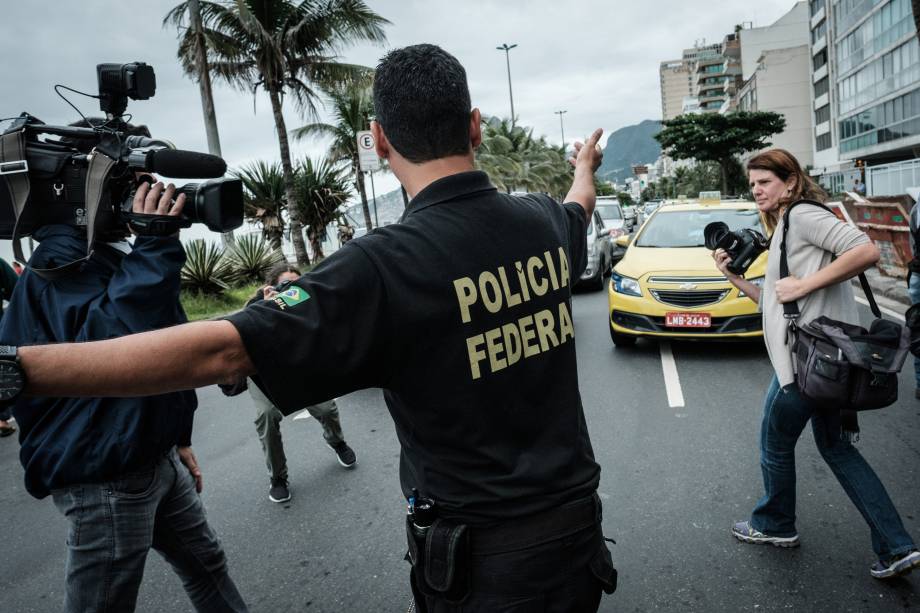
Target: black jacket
{"x": 66, "y": 441}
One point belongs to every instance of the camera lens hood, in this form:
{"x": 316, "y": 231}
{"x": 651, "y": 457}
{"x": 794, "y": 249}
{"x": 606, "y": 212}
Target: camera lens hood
{"x": 714, "y": 233}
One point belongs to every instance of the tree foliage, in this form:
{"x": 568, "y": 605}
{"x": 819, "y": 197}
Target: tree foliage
{"x": 264, "y": 199}
{"x": 700, "y": 177}
{"x": 351, "y": 107}
{"x": 205, "y": 270}
{"x": 320, "y": 189}
{"x": 712, "y": 137}
{"x": 250, "y": 259}
{"x": 515, "y": 160}
{"x": 288, "y": 49}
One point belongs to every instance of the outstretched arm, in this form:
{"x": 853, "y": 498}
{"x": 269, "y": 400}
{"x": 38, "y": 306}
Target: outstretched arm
{"x": 587, "y": 160}
{"x": 178, "y": 358}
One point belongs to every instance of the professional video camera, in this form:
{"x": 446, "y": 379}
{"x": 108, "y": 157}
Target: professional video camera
{"x": 87, "y": 176}
{"x": 742, "y": 246}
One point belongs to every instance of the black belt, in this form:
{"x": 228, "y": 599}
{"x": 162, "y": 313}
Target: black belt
{"x": 532, "y": 530}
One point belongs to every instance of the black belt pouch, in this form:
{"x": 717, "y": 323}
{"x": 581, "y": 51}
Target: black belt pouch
{"x": 441, "y": 563}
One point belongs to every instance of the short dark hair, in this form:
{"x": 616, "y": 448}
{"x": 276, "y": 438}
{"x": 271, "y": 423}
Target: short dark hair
{"x": 422, "y": 102}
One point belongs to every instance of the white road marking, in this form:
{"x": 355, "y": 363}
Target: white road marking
{"x": 671, "y": 378}
{"x": 895, "y": 314}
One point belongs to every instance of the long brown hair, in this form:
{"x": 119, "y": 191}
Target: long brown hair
{"x": 784, "y": 165}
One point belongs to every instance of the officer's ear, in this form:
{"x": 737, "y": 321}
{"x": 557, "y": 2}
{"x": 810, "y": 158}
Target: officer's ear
{"x": 475, "y": 128}
{"x": 381, "y": 144}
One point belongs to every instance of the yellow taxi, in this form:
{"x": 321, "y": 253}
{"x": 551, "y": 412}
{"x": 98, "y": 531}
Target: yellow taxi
{"x": 667, "y": 284}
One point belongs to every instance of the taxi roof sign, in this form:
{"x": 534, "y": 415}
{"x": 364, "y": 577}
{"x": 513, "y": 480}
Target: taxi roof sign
{"x": 710, "y": 197}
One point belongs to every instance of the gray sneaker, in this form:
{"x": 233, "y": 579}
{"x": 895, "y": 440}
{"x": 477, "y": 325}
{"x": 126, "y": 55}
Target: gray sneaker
{"x": 896, "y": 566}
{"x": 279, "y": 491}
{"x": 743, "y": 531}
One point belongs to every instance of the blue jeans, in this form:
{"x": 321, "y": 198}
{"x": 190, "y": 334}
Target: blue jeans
{"x": 114, "y": 524}
{"x": 914, "y": 291}
{"x": 785, "y": 415}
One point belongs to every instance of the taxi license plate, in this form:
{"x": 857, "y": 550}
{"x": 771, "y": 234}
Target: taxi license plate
{"x": 688, "y": 320}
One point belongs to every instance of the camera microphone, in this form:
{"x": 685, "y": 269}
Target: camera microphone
{"x": 179, "y": 164}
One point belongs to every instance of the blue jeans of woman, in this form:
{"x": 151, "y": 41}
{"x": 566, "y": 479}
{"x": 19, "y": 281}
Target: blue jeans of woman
{"x": 785, "y": 416}
{"x": 113, "y": 525}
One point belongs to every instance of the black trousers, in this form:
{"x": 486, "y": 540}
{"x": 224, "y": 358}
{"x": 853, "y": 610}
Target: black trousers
{"x": 558, "y": 575}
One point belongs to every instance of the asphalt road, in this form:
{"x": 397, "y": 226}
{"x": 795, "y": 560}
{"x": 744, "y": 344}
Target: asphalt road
{"x": 674, "y": 479}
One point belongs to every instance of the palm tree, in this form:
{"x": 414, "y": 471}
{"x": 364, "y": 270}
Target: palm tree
{"x": 320, "y": 188}
{"x": 264, "y": 199}
{"x": 286, "y": 48}
{"x": 352, "y": 108}
{"x": 514, "y": 159}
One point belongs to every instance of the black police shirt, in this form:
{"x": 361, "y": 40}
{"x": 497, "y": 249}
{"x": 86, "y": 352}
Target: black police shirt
{"x": 462, "y": 314}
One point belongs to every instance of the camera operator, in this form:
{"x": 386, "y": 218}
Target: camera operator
{"x": 121, "y": 470}
{"x": 823, "y": 254}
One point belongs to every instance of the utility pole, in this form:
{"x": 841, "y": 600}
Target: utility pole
{"x": 374, "y": 197}
{"x": 207, "y": 98}
{"x": 506, "y": 48}
{"x": 561, "y": 126}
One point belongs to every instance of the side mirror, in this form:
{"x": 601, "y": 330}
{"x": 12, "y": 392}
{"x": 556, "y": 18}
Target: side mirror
{"x": 623, "y": 241}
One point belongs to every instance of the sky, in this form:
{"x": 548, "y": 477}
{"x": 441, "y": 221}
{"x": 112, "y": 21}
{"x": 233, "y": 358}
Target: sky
{"x": 596, "y": 59}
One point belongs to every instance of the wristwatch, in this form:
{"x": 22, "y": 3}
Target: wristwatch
{"x": 12, "y": 376}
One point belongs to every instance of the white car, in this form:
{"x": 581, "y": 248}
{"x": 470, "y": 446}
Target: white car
{"x": 615, "y": 222}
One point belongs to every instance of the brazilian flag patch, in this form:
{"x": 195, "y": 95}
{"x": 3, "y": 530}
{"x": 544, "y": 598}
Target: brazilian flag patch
{"x": 292, "y": 296}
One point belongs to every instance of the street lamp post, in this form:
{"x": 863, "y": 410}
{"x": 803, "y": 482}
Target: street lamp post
{"x": 561, "y": 126}
{"x": 506, "y": 48}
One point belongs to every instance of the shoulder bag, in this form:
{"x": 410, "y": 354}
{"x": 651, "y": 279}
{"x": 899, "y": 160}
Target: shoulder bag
{"x": 841, "y": 366}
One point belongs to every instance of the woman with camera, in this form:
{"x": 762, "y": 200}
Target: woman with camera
{"x": 823, "y": 254}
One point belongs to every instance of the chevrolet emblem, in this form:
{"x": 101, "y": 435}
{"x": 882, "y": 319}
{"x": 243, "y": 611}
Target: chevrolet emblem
{"x": 687, "y": 286}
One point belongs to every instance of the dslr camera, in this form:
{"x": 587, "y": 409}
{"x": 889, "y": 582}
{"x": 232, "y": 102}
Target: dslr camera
{"x": 86, "y": 176}
{"x": 742, "y": 246}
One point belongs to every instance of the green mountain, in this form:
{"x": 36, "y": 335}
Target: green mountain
{"x": 628, "y": 146}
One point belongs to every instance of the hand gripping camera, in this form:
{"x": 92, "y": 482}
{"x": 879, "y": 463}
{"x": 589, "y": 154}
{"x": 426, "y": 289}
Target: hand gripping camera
{"x": 86, "y": 176}
{"x": 742, "y": 246}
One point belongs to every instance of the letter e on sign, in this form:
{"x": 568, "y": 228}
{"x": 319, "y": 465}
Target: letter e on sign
{"x": 367, "y": 155}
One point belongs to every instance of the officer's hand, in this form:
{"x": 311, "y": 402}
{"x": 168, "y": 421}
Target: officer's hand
{"x": 157, "y": 200}
{"x": 191, "y": 463}
{"x": 588, "y": 154}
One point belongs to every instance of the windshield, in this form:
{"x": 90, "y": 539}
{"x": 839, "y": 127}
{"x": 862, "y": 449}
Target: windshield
{"x": 685, "y": 228}
{"x": 609, "y": 211}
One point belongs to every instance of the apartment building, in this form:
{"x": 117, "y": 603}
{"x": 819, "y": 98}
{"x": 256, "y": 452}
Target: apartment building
{"x": 718, "y": 76}
{"x": 676, "y": 84}
{"x": 866, "y": 92}
{"x": 781, "y": 83}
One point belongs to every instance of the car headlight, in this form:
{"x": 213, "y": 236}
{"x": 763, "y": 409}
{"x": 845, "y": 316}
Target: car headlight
{"x": 625, "y": 285}
{"x": 758, "y": 281}
{"x": 616, "y": 232}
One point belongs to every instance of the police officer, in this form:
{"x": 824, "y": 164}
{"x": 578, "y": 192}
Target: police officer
{"x": 462, "y": 314}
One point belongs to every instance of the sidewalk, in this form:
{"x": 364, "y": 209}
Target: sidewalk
{"x": 886, "y": 287}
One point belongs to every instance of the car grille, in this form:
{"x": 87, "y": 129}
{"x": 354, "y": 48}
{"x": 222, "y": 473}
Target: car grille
{"x": 689, "y": 299}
